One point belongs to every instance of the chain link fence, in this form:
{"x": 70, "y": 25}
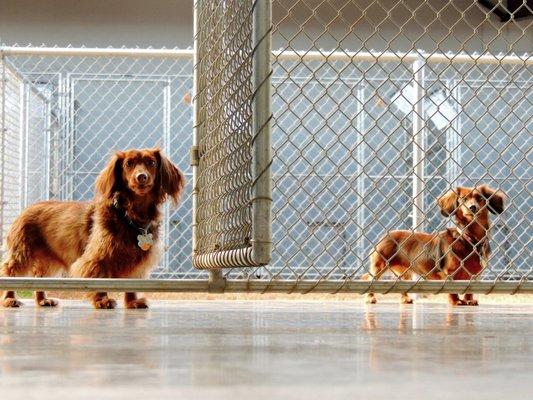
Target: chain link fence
{"x": 379, "y": 110}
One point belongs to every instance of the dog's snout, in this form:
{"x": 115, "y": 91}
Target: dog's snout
{"x": 473, "y": 208}
{"x": 141, "y": 177}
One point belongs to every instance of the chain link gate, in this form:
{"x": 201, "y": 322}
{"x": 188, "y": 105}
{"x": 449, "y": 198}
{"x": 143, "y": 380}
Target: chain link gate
{"x": 380, "y": 110}
{"x": 231, "y": 153}
{"x": 383, "y": 108}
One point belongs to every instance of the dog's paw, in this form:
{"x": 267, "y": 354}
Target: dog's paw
{"x": 138, "y": 303}
{"x": 459, "y": 302}
{"x": 11, "y": 302}
{"x": 47, "y": 303}
{"x": 471, "y": 302}
{"x": 371, "y": 300}
{"x": 406, "y": 300}
{"x": 105, "y": 303}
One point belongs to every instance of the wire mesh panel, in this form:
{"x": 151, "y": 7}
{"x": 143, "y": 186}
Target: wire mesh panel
{"x": 232, "y": 154}
{"x": 380, "y": 109}
{"x": 11, "y": 101}
{"x": 23, "y": 150}
{"x": 35, "y": 183}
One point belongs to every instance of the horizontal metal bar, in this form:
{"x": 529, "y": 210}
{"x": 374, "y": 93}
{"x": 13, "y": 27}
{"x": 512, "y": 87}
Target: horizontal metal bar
{"x": 357, "y": 81}
{"x": 257, "y": 285}
{"x": 333, "y": 55}
{"x": 336, "y": 55}
{"x": 111, "y": 285}
{"x": 94, "y": 52}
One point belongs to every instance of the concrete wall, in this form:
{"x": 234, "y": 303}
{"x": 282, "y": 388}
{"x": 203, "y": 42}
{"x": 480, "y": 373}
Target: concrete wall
{"x": 168, "y": 23}
{"x": 97, "y": 23}
{"x": 432, "y": 25}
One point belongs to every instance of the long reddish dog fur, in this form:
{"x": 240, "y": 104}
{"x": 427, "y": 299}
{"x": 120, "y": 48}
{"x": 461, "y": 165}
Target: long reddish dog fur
{"x": 94, "y": 239}
{"x": 460, "y": 252}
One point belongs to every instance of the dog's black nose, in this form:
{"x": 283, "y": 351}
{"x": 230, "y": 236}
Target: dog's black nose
{"x": 142, "y": 178}
{"x": 473, "y": 208}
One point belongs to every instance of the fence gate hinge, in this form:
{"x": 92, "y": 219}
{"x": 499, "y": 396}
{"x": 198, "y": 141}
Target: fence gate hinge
{"x": 195, "y": 156}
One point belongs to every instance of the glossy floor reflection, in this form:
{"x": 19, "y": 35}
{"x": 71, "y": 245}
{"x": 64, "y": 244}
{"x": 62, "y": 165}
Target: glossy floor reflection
{"x": 264, "y": 350}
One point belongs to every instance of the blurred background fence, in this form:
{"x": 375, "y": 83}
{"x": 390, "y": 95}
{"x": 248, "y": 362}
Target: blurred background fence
{"x": 65, "y": 115}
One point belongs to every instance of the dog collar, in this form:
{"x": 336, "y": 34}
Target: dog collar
{"x": 145, "y": 239}
{"x": 463, "y": 233}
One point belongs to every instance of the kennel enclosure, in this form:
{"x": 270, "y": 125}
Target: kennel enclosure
{"x": 377, "y": 110}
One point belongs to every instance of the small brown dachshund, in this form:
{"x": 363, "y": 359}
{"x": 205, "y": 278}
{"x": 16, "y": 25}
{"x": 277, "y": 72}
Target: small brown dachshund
{"x": 460, "y": 252}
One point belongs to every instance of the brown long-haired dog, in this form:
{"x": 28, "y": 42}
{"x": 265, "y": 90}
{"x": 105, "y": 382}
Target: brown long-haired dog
{"x": 460, "y": 252}
{"x": 116, "y": 235}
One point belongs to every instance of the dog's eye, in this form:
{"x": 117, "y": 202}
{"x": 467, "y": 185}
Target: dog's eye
{"x": 129, "y": 163}
{"x": 150, "y": 163}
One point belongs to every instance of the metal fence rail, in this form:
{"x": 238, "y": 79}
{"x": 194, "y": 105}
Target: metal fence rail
{"x": 263, "y": 286}
{"x": 378, "y": 110}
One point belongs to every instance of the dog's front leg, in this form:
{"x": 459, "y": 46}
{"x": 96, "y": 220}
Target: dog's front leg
{"x": 469, "y": 300}
{"x": 87, "y": 268}
{"x": 131, "y": 301}
{"x": 100, "y": 300}
{"x": 455, "y": 300}
{"x": 42, "y": 301}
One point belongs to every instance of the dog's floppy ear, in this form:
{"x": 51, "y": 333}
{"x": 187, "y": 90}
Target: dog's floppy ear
{"x": 495, "y": 199}
{"x": 109, "y": 180}
{"x": 171, "y": 179}
{"x": 448, "y": 202}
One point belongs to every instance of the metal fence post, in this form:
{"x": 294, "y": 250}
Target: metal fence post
{"x": 262, "y": 116}
{"x": 167, "y": 99}
{"x": 3, "y": 132}
{"x": 48, "y": 149}
{"x": 23, "y": 143}
{"x": 70, "y": 134}
{"x": 194, "y": 100}
{"x": 216, "y": 279}
{"x": 360, "y": 158}
{"x": 195, "y": 127}
{"x": 418, "y": 124}
{"x": 453, "y": 140}
{"x": 61, "y": 151}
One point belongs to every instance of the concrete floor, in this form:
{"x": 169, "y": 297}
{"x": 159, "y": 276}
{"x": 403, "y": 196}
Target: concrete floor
{"x": 266, "y": 350}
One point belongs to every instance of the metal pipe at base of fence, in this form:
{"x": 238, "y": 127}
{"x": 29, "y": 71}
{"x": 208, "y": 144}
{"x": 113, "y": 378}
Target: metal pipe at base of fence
{"x": 271, "y": 286}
